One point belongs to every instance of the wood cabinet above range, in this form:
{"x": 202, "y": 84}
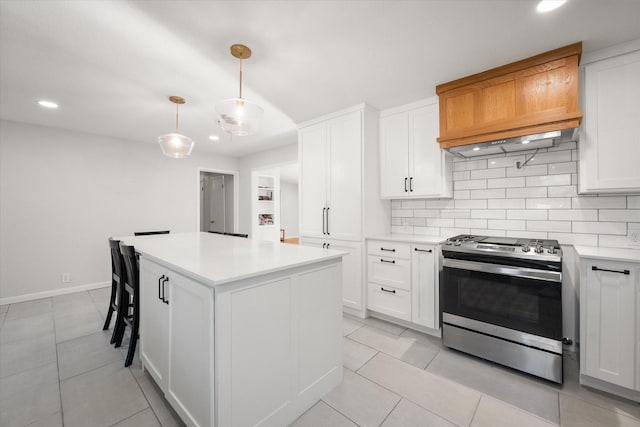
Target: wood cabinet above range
{"x": 534, "y": 95}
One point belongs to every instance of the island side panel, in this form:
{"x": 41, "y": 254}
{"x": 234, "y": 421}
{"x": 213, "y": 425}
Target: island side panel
{"x": 268, "y": 370}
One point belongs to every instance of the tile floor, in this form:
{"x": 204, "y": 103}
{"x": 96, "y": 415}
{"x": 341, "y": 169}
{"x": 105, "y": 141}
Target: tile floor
{"x": 57, "y": 368}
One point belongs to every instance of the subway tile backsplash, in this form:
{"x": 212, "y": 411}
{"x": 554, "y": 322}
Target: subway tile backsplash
{"x": 540, "y": 200}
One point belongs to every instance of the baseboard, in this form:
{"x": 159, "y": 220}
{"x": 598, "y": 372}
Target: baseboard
{"x": 53, "y": 293}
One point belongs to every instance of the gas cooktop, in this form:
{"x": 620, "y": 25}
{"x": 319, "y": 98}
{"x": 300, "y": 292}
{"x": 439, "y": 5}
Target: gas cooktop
{"x": 505, "y": 246}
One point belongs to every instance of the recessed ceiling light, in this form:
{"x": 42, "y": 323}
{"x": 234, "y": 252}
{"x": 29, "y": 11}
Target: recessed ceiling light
{"x": 526, "y": 141}
{"x": 47, "y": 104}
{"x": 214, "y": 137}
{"x": 476, "y": 148}
{"x": 549, "y": 5}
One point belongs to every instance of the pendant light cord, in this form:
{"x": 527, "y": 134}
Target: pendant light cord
{"x": 240, "y": 78}
{"x": 177, "y": 118}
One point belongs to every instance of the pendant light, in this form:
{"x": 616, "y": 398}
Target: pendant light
{"x": 175, "y": 144}
{"x": 239, "y": 116}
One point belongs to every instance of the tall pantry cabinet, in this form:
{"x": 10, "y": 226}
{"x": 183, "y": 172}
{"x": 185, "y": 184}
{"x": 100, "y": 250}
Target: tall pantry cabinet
{"x": 338, "y": 191}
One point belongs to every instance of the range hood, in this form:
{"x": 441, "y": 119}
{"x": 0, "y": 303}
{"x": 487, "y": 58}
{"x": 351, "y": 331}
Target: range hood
{"x": 499, "y": 110}
{"x": 520, "y": 143}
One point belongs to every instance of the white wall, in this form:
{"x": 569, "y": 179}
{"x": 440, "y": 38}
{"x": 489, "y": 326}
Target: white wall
{"x": 262, "y": 160}
{"x": 289, "y": 208}
{"x": 63, "y": 193}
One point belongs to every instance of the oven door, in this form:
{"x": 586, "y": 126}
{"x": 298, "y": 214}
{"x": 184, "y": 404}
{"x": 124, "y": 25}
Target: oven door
{"x": 521, "y": 299}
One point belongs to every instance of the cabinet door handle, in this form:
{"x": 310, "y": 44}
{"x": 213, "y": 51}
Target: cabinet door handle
{"x": 160, "y": 287}
{"x": 411, "y": 184}
{"x": 164, "y": 300}
{"x": 422, "y": 250}
{"x": 392, "y": 291}
{"x": 328, "y": 245}
{"x": 323, "y": 221}
{"x": 328, "y": 222}
{"x": 388, "y": 250}
{"x": 324, "y": 245}
{"x": 405, "y": 184}
{"x": 393, "y": 261}
{"x": 627, "y": 272}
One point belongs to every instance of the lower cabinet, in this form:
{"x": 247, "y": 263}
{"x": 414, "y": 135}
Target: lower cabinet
{"x": 402, "y": 281}
{"x": 425, "y": 294}
{"x": 176, "y": 339}
{"x": 352, "y": 292}
{"x": 154, "y": 322}
{"x": 609, "y": 330}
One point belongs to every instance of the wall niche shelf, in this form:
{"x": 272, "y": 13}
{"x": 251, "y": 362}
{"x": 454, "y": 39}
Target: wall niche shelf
{"x": 266, "y": 202}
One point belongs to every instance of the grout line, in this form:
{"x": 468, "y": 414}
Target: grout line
{"x": 476, "y": 410}
{"x": 130, "y": 416}
{"x": 337, "y": 410}
{"x": 392, "y": 409}
{"x": 55, "y": 343}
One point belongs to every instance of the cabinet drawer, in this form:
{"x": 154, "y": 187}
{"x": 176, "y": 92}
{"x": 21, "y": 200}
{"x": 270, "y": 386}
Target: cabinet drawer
{"x": 389, "y": 271}
{"x": 390, "y": 301}
{"x": 389, "y": 249}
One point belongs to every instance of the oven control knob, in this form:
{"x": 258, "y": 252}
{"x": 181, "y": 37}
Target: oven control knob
{"x": 539, "y": 249}
{"x": 448, "y": 243}
{"x": 552, "y": 251}
{"x": 525, "y": 248}
{"x": 457, "y": 243}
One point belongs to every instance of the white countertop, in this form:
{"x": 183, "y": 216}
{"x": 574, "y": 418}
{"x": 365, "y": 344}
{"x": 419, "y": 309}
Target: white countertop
{"x": 214, "y": 259}
{"x": 614, "y": 254}
{"x": 409, "y": 238}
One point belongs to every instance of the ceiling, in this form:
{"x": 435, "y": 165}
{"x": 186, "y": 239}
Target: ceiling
{"x": 111, "y": 65}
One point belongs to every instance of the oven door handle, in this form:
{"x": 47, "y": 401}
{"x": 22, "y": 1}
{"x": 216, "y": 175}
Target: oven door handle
{"x": 504, "y": 270}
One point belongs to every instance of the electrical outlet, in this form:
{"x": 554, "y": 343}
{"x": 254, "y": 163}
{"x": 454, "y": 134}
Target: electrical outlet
{"x": 633, "y": 234}
{"x": 66, "y": 277}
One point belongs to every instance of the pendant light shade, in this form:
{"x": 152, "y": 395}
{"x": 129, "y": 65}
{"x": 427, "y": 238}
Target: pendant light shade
{"x": 175, "y": 144}
{"x": 239, "y": 116}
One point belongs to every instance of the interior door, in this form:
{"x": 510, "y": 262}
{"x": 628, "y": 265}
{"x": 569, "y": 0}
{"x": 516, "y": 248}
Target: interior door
{"x": 217, "y": 200}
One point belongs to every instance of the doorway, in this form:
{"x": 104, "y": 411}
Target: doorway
{"x": 217, "y": 210}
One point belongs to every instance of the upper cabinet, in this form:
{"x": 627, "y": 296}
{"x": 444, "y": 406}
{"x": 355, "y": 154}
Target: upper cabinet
{"x": 411, "y": 162}
{"x": 531, "y": 96}
{"x": 610, "y": 144}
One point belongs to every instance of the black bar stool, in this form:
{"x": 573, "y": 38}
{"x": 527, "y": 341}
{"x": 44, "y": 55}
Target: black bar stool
{"x": 129, "y": 307}
{"x": 149, "y": 233}
{"x": 117, "y": 271}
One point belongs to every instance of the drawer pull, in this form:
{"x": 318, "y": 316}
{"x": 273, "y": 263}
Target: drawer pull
{"x": 627, "y": 272}
{"x": 423, "y": 250}
{"x": 388, "y": 250}
{"x": 393, "y": 261}
{"x": 392, "y": 291}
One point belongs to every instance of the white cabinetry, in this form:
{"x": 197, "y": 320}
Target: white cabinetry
{"x": 177, "y": 340}
{"x": 154, "y": 322}
{"x": 338, "y": 191}
{"x": 424, "y": 296}
{"x": 610, "y": 145}
{"x": 352, "y": 293}
{"x": 402, "y": 282}
{"x": 190, "y": 350}
{"x": 609, "y": 331}
{"x": 412, "y": 165}
{"x": 331, "y": 157}
{"x": 389, "y": 279}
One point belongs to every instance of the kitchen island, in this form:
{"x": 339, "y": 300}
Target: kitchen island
{"x": 239, "y": 332}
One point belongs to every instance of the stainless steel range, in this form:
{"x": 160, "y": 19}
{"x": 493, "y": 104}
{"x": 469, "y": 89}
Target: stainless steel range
{"x": 501, "y": 300}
